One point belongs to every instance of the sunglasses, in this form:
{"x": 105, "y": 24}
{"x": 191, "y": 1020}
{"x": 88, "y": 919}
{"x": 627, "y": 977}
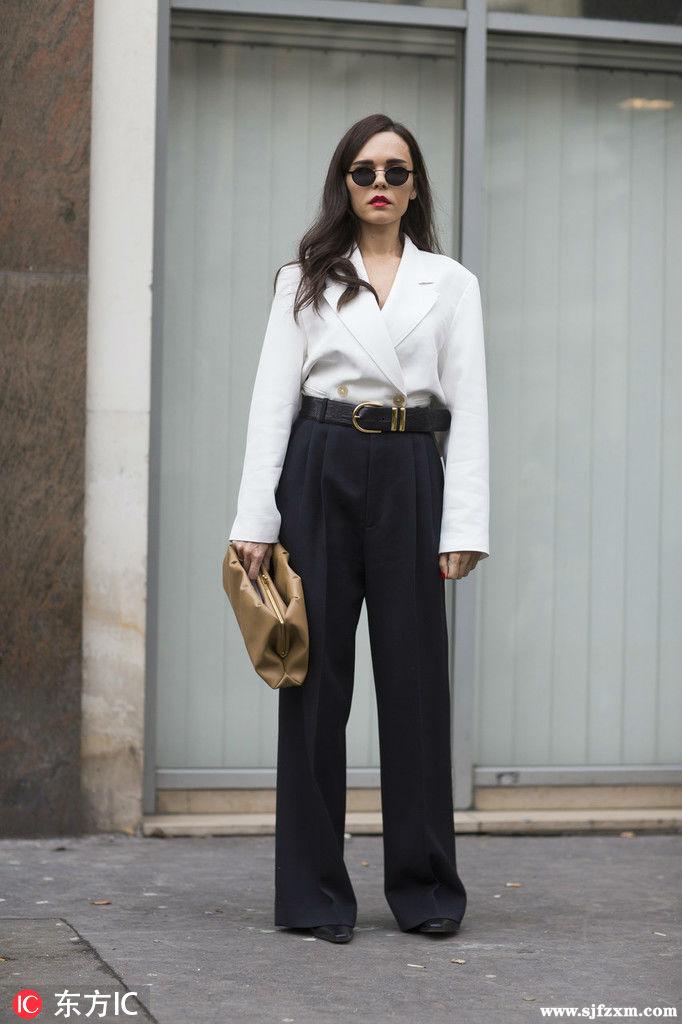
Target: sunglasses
{"x": 365, "y": 176}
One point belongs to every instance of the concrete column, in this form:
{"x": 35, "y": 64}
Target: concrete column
{"x": 118, "y": 410}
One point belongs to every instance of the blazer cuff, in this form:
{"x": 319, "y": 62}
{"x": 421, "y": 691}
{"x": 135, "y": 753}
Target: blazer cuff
{"x": 452, "y": 542}
{"x": 258, "y": 529}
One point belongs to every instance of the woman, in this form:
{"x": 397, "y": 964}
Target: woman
{"x": 373, "y": 351}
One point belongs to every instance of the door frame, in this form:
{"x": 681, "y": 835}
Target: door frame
{"x": 478, "y": 26}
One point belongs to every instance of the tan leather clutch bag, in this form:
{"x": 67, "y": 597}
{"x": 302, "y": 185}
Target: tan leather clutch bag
{"x": 272, "y": 617}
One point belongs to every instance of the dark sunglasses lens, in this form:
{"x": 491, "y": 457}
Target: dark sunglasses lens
{"x": 363, "y": 175}
{"x": 397, "y": 175}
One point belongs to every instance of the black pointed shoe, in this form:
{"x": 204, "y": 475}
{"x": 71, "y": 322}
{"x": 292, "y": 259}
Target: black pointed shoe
{"x": 437, "y": 926}
{"x": 333, "y": 932}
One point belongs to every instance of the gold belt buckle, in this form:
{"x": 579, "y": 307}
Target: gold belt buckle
{"x": 365, "y": 430}
{"x": 396, "y": 424}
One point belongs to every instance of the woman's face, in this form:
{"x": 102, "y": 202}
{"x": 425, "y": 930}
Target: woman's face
{"x": 383, "y": 150}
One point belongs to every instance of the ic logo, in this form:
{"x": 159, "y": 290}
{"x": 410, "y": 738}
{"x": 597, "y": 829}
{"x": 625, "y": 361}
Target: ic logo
{"x": 27, "y": 1004}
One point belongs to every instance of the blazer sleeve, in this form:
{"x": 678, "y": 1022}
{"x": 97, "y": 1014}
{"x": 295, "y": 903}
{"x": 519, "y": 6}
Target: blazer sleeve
{"x": 275, "y": 401}
{"x": 462, "y": 370}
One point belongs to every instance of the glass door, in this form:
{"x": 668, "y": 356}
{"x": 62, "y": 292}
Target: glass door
{"x": 579, "y": 646}
{"x": 256, "y": 107}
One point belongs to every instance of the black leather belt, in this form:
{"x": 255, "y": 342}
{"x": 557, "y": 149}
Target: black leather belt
{"x": 374, "y": 417}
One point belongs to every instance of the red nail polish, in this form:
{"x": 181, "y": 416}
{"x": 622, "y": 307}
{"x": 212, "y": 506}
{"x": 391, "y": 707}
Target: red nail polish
{"x": 442, "y": 575}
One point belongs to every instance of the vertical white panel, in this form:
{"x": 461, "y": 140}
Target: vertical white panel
{"x": 610, "y": 298}
{"x": 252, "y": 129}
{"x": 580, "y": 658}
{"x": 669, "y": 549}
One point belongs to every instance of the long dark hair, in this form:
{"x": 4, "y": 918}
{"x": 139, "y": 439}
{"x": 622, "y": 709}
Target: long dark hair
{"x": 320, "y": 251}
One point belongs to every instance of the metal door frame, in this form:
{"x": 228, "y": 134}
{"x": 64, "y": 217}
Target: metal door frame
{"x": 476, "y": 24}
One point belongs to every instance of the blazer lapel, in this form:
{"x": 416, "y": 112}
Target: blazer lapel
{"x": 379, "y": 331}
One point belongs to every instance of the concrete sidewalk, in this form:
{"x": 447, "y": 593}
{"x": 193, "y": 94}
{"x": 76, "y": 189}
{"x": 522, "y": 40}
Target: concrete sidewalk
{"x": 594, "y": 919}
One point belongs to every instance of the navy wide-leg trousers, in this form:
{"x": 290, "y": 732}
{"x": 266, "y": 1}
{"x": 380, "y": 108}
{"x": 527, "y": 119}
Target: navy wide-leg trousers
{"x": 361, "y": 520}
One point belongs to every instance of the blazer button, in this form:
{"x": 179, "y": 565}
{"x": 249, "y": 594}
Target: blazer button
{"x": 342, "y": 390}
{"x": 399, "y": 400}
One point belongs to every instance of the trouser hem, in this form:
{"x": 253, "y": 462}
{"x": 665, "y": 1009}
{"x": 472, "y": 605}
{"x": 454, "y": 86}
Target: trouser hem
{"x": 286, "y": 919}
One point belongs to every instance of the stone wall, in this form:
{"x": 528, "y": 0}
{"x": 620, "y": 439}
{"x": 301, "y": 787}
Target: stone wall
{"x": 45, "y": 104}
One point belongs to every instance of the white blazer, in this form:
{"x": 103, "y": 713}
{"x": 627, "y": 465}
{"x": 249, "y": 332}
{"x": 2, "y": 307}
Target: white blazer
{"x": 424, "y": 345}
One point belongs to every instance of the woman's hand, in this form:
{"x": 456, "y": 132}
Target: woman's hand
{"x": 456, "y": 564}
{"x": 252, "y": 554}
